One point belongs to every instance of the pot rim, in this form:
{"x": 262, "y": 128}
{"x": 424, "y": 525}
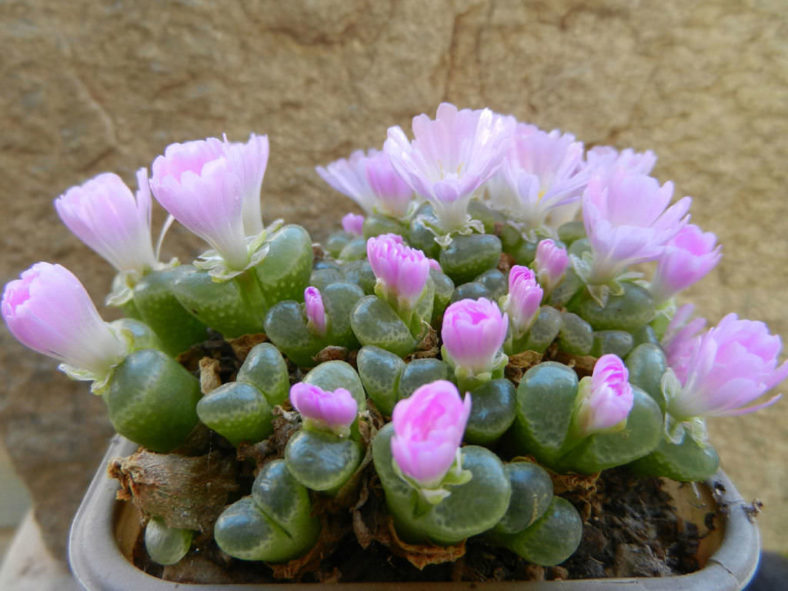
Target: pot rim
{"x": 97, "y": 563}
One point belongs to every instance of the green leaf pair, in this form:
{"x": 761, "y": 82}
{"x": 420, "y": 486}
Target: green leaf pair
{"x": 273, "y": 524}
{"x": 375, "y": 322}
{"x": 286, "y": 324}
{"x": 241, "y": 411}
{"x": 546, "y": 403}
{"x": 238, "y": 306}
{"x": 151, "y": 400}
{"x": 470, "y": 509}
{"x": 388, "y": 379}
{"x": 538, "y": 526}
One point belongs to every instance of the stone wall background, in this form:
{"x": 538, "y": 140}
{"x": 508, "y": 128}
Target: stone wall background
{"x": 89, "y": 86}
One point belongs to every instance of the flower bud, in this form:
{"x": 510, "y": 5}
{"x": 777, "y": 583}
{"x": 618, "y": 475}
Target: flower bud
{"x": 473, "y": 332}
{"x": 315, "y": 310}
{"x": 728, "y": 367}
{"x": 48, "y": 310}
{"x": 333, "y": 410}
{"x": 551, "y": 262}
{"x": 104, "y": 214}
{"x": 606, "y": 401}
{"x": 402, "y": 271}
{"x": 428, "y": 430}
{"x": 522, "y": 303}
{"x": 687, "y": 258}
{"x": 353, "y": 224}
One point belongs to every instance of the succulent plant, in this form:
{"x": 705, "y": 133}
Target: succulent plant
{"x": 464, "y": 340}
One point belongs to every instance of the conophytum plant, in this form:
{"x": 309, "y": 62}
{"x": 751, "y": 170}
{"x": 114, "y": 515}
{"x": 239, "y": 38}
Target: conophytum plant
{"x": 479, "y": 330}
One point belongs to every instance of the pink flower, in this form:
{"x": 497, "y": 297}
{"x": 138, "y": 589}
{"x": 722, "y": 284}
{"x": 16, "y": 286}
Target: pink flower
{"x": 473, "y": 332}
{"x": 428, "y": 430}
{"x": 212, "y": 188}
{"x": 628, "y": 221}
{"x": 681, "y": 339}
{"x": 730, "y": 366}
{"x": 604, "y": 160}
{"x": 525, "y": 296}
{"x": 315, "y": 311}
{"x": 48, "y": 310}
{"x": 402, "y": 271}
{"x": 608, "y": 400}
{"x": 450, "y": 157}
{"x": 540, "y": 172}
{"x": 370, "y": 181}
{"x": 323, "y": 409}
{"x": 251, "y": 160}
{"x": 104, "y": 214}
{"x": 687, "y": 258}
{"x": 353, "y": 224}
{"x": 551, "y": 262}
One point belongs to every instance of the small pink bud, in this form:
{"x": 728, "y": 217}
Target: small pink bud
{"x": 315, "y": 311}
{"x": 687, "y": 258}
{"x": 727, "y": 368}
{"x": 323, "y": 409}
{"x": 473, "y": 332}
{"x": 609, "y": 399}
{"x": 402, "y": 271}
{"x": 428, "y": 430}
{"x": 551, "y": 262}
{"x": 104, "y": 214}
{"x": 48, "y": 310}
{"x": 525, "y": 296}
{"x": 353, "y": 224}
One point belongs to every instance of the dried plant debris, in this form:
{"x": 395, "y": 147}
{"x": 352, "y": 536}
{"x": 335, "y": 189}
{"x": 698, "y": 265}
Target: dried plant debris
{"x": 186, "y": 492}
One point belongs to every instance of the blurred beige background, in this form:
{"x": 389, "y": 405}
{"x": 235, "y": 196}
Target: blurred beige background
{"x": 89, "y": 86}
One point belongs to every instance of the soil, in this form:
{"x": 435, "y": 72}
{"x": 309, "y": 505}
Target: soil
{"x": 631, "y": 526}
{"x": 632, "y": 530}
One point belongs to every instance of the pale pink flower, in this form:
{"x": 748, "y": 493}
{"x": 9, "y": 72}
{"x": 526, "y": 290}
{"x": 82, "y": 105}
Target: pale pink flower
{"x": 333, "y": 410}
{"x": 604, "y": 160}
{"x": 473, "y": 332}
{"x": 428, "y": 430}
{"x": 212, "y": 187}
{"x": 680, "y": 340}
{"x": 315, "y": 310}
{"x": 731, "y": 366}
{"x": 450, "y": 157}
{"x": 541, "y": 171}
{"x": 687, "y": 258}
{"x": 106, "y": 216}
{"x": 628, "y": 221}
{"x": 551, "y": 262}
{"x": 402, "y": 271}
{"x": 251, "y": 159}
{"x": 608, "y": 399}
{"x": 48, "y": 310}
{"x": 522, "y": 303}
{"x": 371, "y": 181}
{"x": 353, "y": 224}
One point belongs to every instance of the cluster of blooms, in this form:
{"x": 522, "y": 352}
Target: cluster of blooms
{"x": 526, "y": 322}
